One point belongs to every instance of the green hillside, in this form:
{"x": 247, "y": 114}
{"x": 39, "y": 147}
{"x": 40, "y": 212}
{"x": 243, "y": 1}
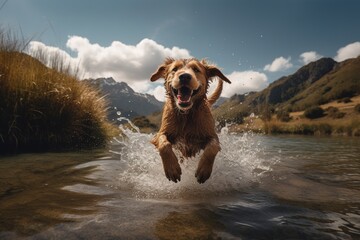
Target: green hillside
{"x": 316, "y": 83}
{"x": 342, "y": 82}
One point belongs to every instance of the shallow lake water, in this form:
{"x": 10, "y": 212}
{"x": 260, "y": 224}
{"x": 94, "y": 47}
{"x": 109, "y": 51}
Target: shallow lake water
{"x": 262, "y": 187}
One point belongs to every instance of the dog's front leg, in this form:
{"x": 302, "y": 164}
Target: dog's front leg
{"x": 170, "y": 162}
{"x": 206, "y": 163}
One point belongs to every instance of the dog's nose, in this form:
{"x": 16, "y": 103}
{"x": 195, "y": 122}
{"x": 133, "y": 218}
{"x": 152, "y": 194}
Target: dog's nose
{"x": 184, "y": 78}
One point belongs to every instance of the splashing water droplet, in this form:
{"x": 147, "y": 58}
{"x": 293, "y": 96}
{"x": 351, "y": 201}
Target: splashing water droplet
{"x": 238, "y": 165}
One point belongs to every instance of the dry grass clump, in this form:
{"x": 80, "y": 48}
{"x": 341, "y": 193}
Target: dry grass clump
{"x": 343, "y": 127}
{"x": 45, "y": 109}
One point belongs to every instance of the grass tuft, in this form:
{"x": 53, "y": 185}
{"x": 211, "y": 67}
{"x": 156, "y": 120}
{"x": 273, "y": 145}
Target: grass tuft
{"x": 44, "y": 108}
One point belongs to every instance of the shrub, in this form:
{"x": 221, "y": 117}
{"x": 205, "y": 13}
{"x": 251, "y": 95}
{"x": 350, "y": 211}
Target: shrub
{"x": 323, "y": 129}
{"x": 345, "y": 100}
{"x": 283, "y": 116}
{"x": 272, "y": 128}
{"x": 334, "y": 112}
{"x": 238, "y": 118}
{"x": 266, "y": 113}
{"x": 314, "y": 112}
{"x": 357, "y": 108}
{"x": 43, "y": 109}
{"x": 143, "y": 122}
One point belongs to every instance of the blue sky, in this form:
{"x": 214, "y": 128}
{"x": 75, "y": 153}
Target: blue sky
{"x": 254, "y": 41}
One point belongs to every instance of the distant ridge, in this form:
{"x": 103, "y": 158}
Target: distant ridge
{"x": 123, "y": 98}
{"x": 316, "y": 83}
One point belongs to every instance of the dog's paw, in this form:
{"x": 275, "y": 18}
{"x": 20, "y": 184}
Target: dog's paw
{"x": 173, "y": 171}
{"x": 203, "y": 173}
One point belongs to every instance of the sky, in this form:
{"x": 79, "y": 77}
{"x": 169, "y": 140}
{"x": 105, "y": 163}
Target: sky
{"x": 254, "y": 42}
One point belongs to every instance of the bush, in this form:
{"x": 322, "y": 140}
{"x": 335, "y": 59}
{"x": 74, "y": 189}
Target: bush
{"x": 357, "y": 108}
{"x": 283, "y": 116}
{"x": 345, "y": 100}
{"x": 266, "y": 113}
{"x": 143, "y": 122}
{"x": 45, "y": 109}
{"x": 314, "y": 112}
{"x": 334, "y": 112}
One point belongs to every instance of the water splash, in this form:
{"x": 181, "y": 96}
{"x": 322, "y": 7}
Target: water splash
{"x": 237, "y": 166}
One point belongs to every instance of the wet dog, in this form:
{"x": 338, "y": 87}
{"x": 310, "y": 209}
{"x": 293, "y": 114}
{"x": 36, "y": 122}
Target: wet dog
{"x": 187, "y": 123}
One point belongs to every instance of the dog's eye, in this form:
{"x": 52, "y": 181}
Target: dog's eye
{"x": 174, "y": 69}
{"x": 196, "y": 69}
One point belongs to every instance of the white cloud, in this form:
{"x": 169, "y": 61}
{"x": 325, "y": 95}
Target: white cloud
{"x": 132, "y": 64}
{"x": 243, "y": 82}
{"x": 159, "y": 93}
{"x": 279, "y": 64}
{"x": 308, "y": 57}
{"x": 351, "y": 50}
{"x": 50, "y": 55}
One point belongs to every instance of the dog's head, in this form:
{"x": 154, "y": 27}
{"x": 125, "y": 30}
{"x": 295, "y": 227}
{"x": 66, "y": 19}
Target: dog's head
{"x": 186, "y": 80}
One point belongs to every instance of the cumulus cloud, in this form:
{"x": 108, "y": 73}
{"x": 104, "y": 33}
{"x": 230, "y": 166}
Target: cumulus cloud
{"x": 159, "y": 93}
{"x": 308, "y": 57}
{"x": 51, "y": 56}
{"x": 351, "y": 50}
{"x": 279, "y": 64}
{"x": 243, "y": 82}
{"x": 132, "y": 64}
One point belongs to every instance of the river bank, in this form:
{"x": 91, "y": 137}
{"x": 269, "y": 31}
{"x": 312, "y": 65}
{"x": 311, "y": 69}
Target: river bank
{"x": 346, "y": 122}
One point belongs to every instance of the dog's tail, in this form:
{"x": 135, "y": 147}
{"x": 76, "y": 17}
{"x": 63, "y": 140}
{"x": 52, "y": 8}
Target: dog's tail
{"x": 216, "y": 94}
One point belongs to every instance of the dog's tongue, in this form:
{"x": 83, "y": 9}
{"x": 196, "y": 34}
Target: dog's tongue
{"x": 184, "y": 95}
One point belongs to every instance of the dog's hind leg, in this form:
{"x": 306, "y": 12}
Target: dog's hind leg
{"x": 206, "y": 162}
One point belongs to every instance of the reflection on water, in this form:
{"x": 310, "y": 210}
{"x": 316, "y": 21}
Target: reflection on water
{"x": 262, "y": 187}
{"x": 32, "y": 194}
{"x": 197, "y": 224}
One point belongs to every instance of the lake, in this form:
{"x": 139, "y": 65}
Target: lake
{"x": 262, "y": 187}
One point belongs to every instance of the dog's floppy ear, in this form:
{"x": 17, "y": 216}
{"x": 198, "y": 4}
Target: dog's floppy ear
{"x": 213, "y": 71}
{"x": 158, "y": 74}
{"x": 161, "y": 70}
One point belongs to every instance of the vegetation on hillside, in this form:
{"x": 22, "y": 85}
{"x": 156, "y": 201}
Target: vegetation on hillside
{"x": 342, "y": 83}
{"x": 45, "y": 108}
{"x": 317, "y": 83}
{"x": 329, "y": 119}
{"x": 314, "y": 112}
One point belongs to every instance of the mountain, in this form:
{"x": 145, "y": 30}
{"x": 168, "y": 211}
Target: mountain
{"x": 123, "y": 98}
{"x": 287, "y": 87}
{"x": 317, "y": 83}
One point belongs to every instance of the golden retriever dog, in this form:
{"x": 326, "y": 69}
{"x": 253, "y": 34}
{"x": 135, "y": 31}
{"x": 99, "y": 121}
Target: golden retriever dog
{"x": 187, "y": 123}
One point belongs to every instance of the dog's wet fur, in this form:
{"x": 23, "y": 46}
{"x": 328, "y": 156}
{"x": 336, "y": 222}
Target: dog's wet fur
{"x": 187, "y": 123}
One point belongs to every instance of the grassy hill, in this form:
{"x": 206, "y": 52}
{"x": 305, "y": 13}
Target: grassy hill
{"x": 45, "y": 109}
{"x": 342, "y": 82}
{"x": 316, "y": 83}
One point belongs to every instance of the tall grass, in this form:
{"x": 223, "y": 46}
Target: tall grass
{"x": 44, "y": 108}
{"x": 341, "y": 127}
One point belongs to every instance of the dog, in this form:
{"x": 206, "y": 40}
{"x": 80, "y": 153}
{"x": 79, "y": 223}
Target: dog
{"x": 187, "y": 123}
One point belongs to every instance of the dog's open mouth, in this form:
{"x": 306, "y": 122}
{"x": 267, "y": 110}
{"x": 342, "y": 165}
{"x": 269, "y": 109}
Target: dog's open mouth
{"x": 183, "y": 96}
